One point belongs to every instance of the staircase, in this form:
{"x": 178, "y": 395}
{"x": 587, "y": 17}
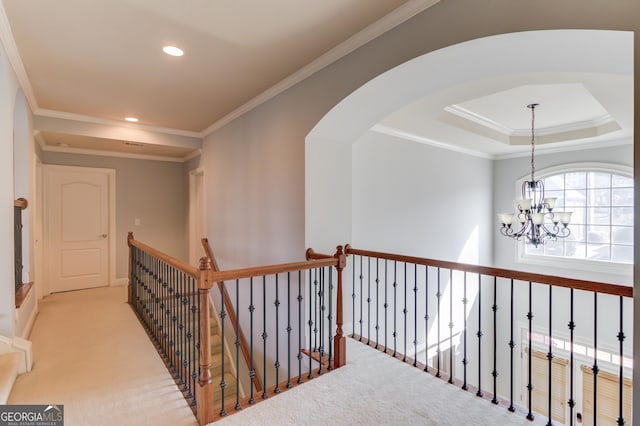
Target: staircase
{"x": 216, "y": 366}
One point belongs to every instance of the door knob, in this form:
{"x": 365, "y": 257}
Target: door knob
{"x": 103, "y": 236}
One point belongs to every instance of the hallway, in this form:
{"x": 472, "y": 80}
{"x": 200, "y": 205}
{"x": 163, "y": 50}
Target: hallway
{"x": 92, "y": 356}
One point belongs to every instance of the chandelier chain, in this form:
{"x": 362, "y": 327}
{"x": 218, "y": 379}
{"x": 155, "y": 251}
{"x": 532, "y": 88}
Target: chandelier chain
{"x": 533, "y": 118}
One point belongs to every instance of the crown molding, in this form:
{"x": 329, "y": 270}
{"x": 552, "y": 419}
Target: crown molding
{"x": 483, "y": 121}
{"x": 384, "y": 24}
{"x": 9, "y": 44}
{"x": 115, "y": 123}
{"x": 469, "y": 115}
{"x": 391, "y": 131}
{"x": 578, "y": 145}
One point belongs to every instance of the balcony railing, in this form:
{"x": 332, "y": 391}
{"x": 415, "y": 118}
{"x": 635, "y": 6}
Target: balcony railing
{"x": 540, "y": 345}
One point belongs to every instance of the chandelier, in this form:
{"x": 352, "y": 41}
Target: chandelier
{"x": 534, "y": 213}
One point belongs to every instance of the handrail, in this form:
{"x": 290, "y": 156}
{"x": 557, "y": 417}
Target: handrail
{"x": 176, "y": 263}
{"x": 231, "y": 313}
{"x": 236, "y": 274}
{"x": 613, "y": 289}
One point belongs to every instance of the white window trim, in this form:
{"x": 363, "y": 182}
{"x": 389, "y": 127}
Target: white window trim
{"x": 613, "y": 268}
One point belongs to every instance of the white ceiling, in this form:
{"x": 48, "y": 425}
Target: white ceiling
{"x": 87, "y": 64}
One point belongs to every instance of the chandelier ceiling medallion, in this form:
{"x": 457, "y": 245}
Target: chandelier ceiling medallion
{"x": 534, "y": 213}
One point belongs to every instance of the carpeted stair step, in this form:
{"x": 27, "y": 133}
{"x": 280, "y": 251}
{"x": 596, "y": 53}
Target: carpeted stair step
{"x": 216, "y": 364}
{"x": 216, "y": 344}
{"x": 229, "y": 390}
{"x": 9, "y": 364}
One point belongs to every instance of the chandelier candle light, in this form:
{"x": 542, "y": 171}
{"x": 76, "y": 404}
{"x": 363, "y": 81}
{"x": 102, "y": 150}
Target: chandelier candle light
{"x": 533, "y": 208}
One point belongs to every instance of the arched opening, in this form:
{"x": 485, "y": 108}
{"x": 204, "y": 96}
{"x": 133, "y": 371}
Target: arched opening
{"x": 390, "y": 190}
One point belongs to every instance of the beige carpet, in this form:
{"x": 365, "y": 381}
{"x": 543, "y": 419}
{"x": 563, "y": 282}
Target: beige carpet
{"x": 375, "y": 389}
{"x": 92, "y": 355}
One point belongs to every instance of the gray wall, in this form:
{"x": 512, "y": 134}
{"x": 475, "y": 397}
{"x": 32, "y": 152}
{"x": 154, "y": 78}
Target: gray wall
{"x": 255, "y": 164}
{"x": 153, "y": 191}
{"x": 411, "y": 198}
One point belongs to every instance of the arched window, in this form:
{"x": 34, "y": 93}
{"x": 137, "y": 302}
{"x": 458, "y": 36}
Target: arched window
{"x": 601, "y": 199}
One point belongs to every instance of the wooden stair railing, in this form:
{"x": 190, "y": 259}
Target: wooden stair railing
{"x": 157, "y": 280}
{"x": 244, "y": 347}
{"x": 149, "y": 273}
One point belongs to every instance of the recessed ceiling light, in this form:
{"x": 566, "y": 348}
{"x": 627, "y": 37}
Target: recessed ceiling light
{"x": 173, "y": 51}
{"x": 131, "y": 119}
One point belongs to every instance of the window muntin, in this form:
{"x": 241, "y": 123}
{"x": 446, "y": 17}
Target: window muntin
{"x": 602, "y": 221}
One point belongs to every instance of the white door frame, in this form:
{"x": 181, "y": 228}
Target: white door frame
{"x": 111, "y": 176}
{"x": 196, "y": 192}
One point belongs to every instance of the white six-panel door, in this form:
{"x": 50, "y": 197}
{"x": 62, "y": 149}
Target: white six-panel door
{"x": 77, "y": 225}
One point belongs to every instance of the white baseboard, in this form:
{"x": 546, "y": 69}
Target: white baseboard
{"x": 29, "y": 326}
{"x": 120, "y": 281}
{"x": 21, "y": 346}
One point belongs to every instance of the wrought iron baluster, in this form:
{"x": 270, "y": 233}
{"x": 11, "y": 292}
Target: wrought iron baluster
{"x": 494, "y": 373}
{"x": 512, "y": 345}
{"x": 289, "y": 330}
{"x": 198, "y": 342}
{"x": 330, "y": 318}
{"x": 529, "y": 367}
{"x": 415, "y": 314}
{"x": 316, "y": 295}
{"x": 450, "y": 326}
{"x": 438, "y": 295}
{"x": 404, "y": 313}
{"x": 321, "y": 319}
{"x": 264, "y": 337}
{"x": 595, "y": 367}
{"x": 361, "y": 296}
{"x": 620, "y": 420}
{"x": 353, "y": 298}
{"x": 395, "y": 304}
{"x": 300, "y": 299}
{"x": 386, "y": 303}
{"x": 237, "y": 309}
{"x": 377, "y": 302}
{"x": 173, "y": 342}
{"x": 426, "y": 318}
{"x": 550, "y": 356}
{"x": 311, "y": 292}
{"x": 252, "y": 370}
{"x": 277, "y": 333}
{"x": 479, "y": 334}
{"x": 184, "y": 375}
{"x": 572, "y": 326}
{"x": 195, "y": 324}
{"x": 465, "y": 301}
{"x": 182, "y": 326}
{"x": 223, "y": 315}
{"x": 368, "y": 301}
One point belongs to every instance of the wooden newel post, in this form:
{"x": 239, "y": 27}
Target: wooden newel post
{"x": 339, "y": 341}
{"x": 204, "y": 390}
{"x": 130, "y": 287}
